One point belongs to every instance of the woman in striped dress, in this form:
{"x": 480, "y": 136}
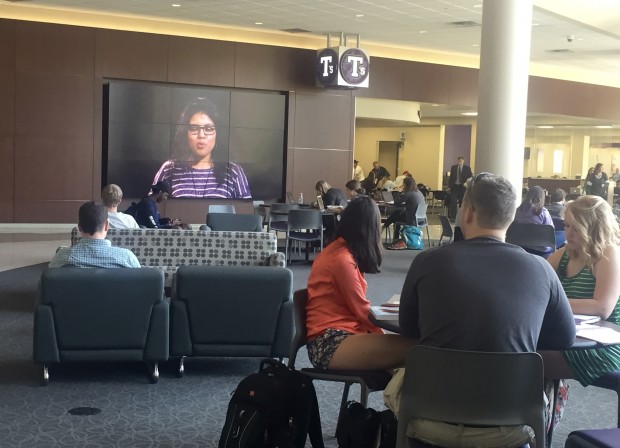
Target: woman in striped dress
{"x": 588, "y": 267}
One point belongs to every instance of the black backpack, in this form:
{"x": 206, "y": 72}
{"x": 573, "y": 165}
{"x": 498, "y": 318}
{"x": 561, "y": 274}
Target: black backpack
{"x": 274, "y": 408}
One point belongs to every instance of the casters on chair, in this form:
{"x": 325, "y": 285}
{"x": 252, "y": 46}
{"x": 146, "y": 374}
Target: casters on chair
{"x": 154, "y": 374}
{"x": 45, "y": 380}
{"x": 181, "y": 369}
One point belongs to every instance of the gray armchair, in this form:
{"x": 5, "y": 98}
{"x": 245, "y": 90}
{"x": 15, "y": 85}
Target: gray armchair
{"x": 101, "y": 315}
{"x": 231, "y": 311}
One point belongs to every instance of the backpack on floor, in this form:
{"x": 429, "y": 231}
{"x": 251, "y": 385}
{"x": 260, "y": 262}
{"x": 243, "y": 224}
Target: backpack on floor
{"x": 412, "y": 236}
{"x": 359, "y": 427}
{"x": 274, "y": 408}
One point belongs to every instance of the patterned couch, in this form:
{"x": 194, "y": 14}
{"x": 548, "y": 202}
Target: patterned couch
{"x": 169, "y": 249}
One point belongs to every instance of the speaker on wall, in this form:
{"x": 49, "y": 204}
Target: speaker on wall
{"x": 526, "y": 153}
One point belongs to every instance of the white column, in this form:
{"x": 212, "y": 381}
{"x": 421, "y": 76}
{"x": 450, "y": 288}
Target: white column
{"x": 503, "y": 80}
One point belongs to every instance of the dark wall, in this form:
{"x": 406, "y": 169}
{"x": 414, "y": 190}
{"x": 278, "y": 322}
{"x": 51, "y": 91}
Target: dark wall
{"x": 50, "y": 106}
{"x": 457, "y": 142}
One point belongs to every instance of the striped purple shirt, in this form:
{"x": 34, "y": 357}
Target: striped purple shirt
{"x": 188, "y": 182}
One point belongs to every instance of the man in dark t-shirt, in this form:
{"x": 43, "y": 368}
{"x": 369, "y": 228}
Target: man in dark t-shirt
{"x": 483, "y": 294}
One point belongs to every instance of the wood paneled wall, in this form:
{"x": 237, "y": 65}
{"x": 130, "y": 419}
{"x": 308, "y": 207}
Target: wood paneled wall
{"x": 51, "y": 80}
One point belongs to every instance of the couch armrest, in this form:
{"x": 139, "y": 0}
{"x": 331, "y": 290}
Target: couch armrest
{"x": 45, "y": 345}
{"x": 180, "y": 339}
{"x": 157, "y": 348}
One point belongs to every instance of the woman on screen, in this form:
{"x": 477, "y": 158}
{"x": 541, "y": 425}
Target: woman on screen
{"x": 193, "y": 172}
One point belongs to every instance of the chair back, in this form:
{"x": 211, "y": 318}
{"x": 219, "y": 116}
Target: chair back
{"x": 387, "y": 196}
{"x": 221, "y": 208}
{"x": 300, "y": 298}
{"x": 446, "y": 228}
{"x": 305, "y": 219}
{"x": 420, "y": 215}
{"x": 558, "y": 223}
{"x": 281, "y": 211}
{"x": 234, "y": 222}
{"x": 490, "y": 389}
{"x": 531, "y": 235}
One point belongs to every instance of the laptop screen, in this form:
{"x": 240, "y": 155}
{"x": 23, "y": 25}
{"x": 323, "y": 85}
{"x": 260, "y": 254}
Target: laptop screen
{"x": 387, "y": 196}
{"x": 319, "y": 201}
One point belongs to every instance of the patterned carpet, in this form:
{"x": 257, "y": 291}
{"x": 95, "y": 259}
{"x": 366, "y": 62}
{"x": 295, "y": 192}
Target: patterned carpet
{"x": 176, "y": 412}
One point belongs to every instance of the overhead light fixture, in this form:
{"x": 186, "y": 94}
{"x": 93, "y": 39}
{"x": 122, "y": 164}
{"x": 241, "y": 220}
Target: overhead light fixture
{"x": 470, "y": 114}
{"x": 434, "y": 105}
{"x": 258, "y": 23}
{"x": 475, "y": 45}
{"x": 423, "y": 31}
{"x": 478, "y": 6}
{"x": 544, "y": 127}
{"x": 176, "y": 5}
{"x": 604, "y": 127}
{"x": 359, "y": 15}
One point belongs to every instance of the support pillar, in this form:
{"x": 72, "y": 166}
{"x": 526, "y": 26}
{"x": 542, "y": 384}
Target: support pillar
{"x": 503, "y": 84}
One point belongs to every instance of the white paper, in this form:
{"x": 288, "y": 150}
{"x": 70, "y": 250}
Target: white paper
{"x": 603, "y": 335}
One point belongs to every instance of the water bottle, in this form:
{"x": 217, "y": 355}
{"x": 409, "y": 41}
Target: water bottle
{"x": 301, "y": 198}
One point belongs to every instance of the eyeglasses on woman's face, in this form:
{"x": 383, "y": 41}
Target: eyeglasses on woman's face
{"x": 194, "y": 129}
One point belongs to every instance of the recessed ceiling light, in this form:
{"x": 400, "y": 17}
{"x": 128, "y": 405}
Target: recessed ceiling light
{"x": 545, "y": 127}
{"x": 176, "y": 5}
{"x": 475, "y": 45}
{"x": 423, "y": 31}
{"x": 359, "y": 15}
{"x": 435, "y": 105}
{"x": 470, "y": 114}
{"x": 535, "y": 24}
{"x": 258, "y": 23}
{"x": 478, "y": 6}
{"x": 604, "y": 127}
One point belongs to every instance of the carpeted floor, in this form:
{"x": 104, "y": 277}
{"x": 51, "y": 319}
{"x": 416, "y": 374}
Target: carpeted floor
{"x": 176, "y": 412}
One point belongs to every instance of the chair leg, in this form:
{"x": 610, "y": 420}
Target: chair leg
{"x": 364, "y": 395}
{"x": 428, "y": 236}
{"x": 45, "y": 380}
{"x": 343, "y": 405}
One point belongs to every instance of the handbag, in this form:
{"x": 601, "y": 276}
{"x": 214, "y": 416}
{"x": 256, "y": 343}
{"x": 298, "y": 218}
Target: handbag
{"x": 412, "y": 236}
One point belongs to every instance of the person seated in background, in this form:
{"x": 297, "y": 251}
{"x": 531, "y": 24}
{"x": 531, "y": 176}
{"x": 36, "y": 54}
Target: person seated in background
{"x": 147, "y": 213}
{"x": 484, "y": 295}
{"x": 370, "y": 183}
{"x": 353, "y": 189}
{"x": 408, "y": 200}
{"x": 557, "y": 203}
{"x": 532, "y": 211}
{"x": 93, "y": 250}
{"x": 340, "y": 336}
{"x": 111, "y": 195}
{"x": 330, "y": 195}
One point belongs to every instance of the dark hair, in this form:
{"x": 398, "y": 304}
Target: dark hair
{"x": 182, "y": 153}
{"x": 360, "y": 227}
{"x": 161, "y": 186}
{"x": 493, "y": 198}
{"x": 558, "y": 195}
{"x": 409, "y": 184}
{"x": 535, "y": 199}
{"x": 92, "y": 217}
{"x": 355, "y": 185}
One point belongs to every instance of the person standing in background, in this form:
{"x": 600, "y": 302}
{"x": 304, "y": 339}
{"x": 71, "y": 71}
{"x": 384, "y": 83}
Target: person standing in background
{"x": 358, "y": 172}
{"x": 596, "y": 181}
{"x": 380, "y": 171}
{"x": 459, "y": 174}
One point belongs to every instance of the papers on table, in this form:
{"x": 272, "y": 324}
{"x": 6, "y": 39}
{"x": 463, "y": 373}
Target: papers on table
{"x": 603, "y": 335}
{"x": 585, "y": 319}
{"x": 384, "y": 312}
{"x": 395, "y": 299}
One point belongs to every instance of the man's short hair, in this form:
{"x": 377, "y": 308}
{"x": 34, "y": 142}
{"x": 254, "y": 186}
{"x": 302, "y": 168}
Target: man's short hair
{"x": 460, "y": 158}
{"x": 494, "y": 200}
{"x": 558, "y": 195}
{"x": 111, "y": 195}
{"x": 92, "y": 217}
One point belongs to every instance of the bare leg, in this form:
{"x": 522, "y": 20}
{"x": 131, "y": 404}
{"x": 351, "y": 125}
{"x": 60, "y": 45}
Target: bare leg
{"x": 371, "y": 352}
{"x": 556, "y": 366}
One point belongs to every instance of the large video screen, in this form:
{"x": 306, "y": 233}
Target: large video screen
{"x": 203, "y": 142}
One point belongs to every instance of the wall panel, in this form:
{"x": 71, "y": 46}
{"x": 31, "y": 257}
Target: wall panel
{"x": 264, "y": 67}
{"x": 198, "y": 61}
{"x": 427, "y": 83}
{"x": 7, "y": 170}
{"x": 323, "y": 121}
{"x": 48, "y": 211}
{"x": 386, "y": 79}
{"x": 7, "y": 44}
{"x": 127, "y": 55}
{"x": 463, "y": 86}
{"x": 55, "y": 48}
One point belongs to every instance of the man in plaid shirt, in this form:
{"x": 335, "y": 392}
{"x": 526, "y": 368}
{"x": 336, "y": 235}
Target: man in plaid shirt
{"x": 93, "y": 250}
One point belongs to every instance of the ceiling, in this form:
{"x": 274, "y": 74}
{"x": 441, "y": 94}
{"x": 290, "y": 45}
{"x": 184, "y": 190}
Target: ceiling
{"x": 571, "y": 39}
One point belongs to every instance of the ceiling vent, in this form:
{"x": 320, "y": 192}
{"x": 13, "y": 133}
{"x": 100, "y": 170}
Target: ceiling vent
{"x": 465, "y": 24}
{"x": 559, "y": 50}
{"x": 295, "y": 30}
